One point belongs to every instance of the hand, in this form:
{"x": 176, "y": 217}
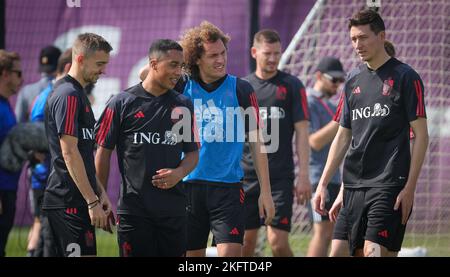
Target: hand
{"x": 405, "y": 199}
{"x": 105, "y": 203}
{"x": 337, "y": 205}
{"x": 266, "y": 207}
{"x": 35, "y": 157}
{"x": 40, "y": 156}
{"x": 303, "y": 190}
{"x": 167, "y": 178}
{"x": 107, "y": 208}
{"x": 319, "y": 200}
{"x": 110, "y": 221}
{"x": 98, "y": 217}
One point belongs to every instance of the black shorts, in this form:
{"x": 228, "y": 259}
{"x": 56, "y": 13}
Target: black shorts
{"x": 283, "y": 197}
{"x": 7, "y": 213}
{"x": 151, "y": 237}
{"x": 36, "y": 197}
{"x": 332, "y": 193}
{"x": 218, "y": 208}
{"x": 72, "y": 231}
{"x": 368, "y": 214}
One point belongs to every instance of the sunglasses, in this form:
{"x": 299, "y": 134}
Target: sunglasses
{"x": 333, "y": 79}
{"x": 19, "y": 73}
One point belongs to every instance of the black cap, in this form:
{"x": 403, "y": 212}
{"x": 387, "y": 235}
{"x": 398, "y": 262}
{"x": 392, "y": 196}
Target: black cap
{"x": 332, "y": 67}
{"x": 48, "y": 59}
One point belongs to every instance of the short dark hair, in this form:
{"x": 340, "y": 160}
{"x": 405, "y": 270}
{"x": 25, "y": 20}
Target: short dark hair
{"x": 266, "y": 35}
{"x": 64, "y": 59}
{"x": 7, "y": 60}
{"x": 162, "y": 46}
{"x": 88, "y": 43}
{"x": 367, "y": 16}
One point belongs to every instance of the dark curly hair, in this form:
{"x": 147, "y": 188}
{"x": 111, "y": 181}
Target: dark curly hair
{"x": 192, "y": 43}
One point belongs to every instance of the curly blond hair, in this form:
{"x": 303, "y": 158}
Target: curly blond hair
{"x": 192, "y": 43}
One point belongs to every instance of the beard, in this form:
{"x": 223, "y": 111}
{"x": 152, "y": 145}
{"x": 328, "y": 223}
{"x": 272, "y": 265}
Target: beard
{"x": 90, "y": 79}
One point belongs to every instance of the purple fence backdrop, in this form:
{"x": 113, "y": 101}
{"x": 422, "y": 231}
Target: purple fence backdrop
{"x": 130, "y": 26}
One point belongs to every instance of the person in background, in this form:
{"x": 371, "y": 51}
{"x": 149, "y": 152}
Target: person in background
{"x": 10, "y": 82}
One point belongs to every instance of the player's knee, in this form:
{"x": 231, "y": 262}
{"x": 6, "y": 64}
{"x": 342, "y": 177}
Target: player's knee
{"x": 372, "y": 249}
{"x": 279, "y": 246}
{"x": 339, "y": 248}
{"x": 324, "y": 230}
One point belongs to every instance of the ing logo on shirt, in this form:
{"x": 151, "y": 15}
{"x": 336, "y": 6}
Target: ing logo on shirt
{"x": 88, "y": 134}
{"x": 170, "y": 138}
{"x": 367, "y": 112}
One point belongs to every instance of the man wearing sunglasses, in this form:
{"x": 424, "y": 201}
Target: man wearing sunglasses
{"x": 329, "y": 76}
{"x": 10, "y": 81}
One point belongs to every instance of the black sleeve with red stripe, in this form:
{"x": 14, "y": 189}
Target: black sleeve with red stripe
{"x": 300, "y": 102}
{"x": 337, "y": 115}
{"x": 247, "y": 99}
{"x": 413, "y": 96}
{"x": 344, "y": 113}
{"x": 66, "y": 110}
{"x": 107, "y": 127}
{"x": 194, "y": 143}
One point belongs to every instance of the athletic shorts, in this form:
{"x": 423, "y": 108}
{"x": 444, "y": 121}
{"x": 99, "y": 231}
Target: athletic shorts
{"x": 368, "y": 214}
{"x": 283, "y": 197}
{"x": 151, "y": 237}
{"x": 72, "y": 231}
{"x": 36, "y": 197}
{"x": 218, "y": 208}
{"x": 332, "y": 193}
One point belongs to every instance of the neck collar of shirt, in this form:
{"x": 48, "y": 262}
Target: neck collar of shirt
{"x": 389, "y": 61}
{"x": 211, "y": 86}
{"x": 266, "y": 80}
{"x": 72, "y": 80}
{"x": 141, "y": 92}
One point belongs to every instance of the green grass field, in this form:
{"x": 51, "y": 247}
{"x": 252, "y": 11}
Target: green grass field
{"x": 436, "y": 245}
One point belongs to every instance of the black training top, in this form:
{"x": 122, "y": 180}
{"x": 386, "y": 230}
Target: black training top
{"x": 140, "y": 126}
{"x": 68, "y": 112}
{"x": 283, "y": 99}
{"x": 378, "y": 106}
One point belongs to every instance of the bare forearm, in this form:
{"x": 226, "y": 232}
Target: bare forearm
{"x": 77, "y": 171}
{"x": 102, "y": 165}
{"x": 100, "y": 187}
{"x": 302, "y": 150}
{"x": 188, "y": 163}
{"x": 261, "y": 165}
{"x": 323, "y": 136}
{"x": 419, "y": 149}
{"x": 336, "y": 155}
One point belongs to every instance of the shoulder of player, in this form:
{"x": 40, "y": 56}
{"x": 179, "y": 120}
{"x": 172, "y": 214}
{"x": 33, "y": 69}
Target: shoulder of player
{"x": 180, "y": 99}
{"x": 243, "y": 86}
{"x": 287, "y": 77}
{"x": 249, "y": 78}
{"x": 405, "y": 70}
{"x": 63, "y": 89}
{"x": 125, "y": 97}
{"x": 355, "y": 72}
{"x": 290, "y": 81}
